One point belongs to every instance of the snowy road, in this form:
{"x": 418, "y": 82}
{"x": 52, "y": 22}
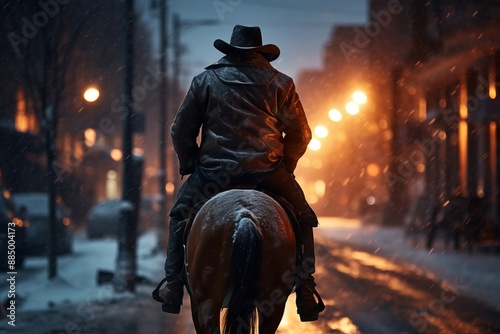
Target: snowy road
{"x": 365, "y": 293}
{"x": 370, "y": 294}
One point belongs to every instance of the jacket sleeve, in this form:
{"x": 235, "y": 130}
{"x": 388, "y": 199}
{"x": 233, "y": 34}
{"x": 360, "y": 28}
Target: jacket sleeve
{"x": 186, "y": 127}
{"x": 296, "y": 129}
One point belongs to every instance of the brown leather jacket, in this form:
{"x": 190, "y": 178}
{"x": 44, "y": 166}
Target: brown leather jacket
{"x": 249, "y": 114}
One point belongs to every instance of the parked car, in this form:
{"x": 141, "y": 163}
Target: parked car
{"x": 10, "y": 218}
{"x": 149, "y": 212}
{"x": 38, "y": 226}
{"x": 103, "y": 218}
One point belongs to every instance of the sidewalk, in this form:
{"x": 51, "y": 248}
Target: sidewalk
{"x": 76, "y": 281}
{"x": 477, "y": 274}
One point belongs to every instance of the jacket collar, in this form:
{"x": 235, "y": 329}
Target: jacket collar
{"x": 253, "y": 59}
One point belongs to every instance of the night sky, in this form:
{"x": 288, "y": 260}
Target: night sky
{"x": 298, "y": 28}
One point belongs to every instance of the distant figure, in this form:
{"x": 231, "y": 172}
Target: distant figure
{"x": 253, "y": 132}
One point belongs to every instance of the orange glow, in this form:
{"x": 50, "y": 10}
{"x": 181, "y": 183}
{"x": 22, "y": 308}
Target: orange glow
{"x": 321, "y": 131}
{"x": 6, "y": 194}
{"x": 138, "y": 151}
{"x": 91, "y": 94}
{"x": 343, "y": 200}
{"x": 116, "y": 154}
{"x": 462, "y": 151}
{"x": 312, "y": 198}
{"x": 317, "y": 164}
{"x": 66, "y": 221}
{"x": 335, "y": 115}
{"x": 169, "y": 188}
{"x": 422, "y": 109}
{"x": 441, "y": 135}
{"x": 463, "y": 102}
{"x": 352, "y": 108}
{"x": 18, "y": 222}
{"x": 300, "y": 180}
{"x": 22, "y": 118}
{"x": 315, "y": 144}
{"x": 492, "y": 85}
{"x": 343, "y": 325}
{"x": 359, "y": 97}
{"x": 90, "y": 136}
{"x": 320, "y": 188}
{"x": 372, "y": 169}
{"x": 290, "y": 323}
{"x": 305, "y": 162}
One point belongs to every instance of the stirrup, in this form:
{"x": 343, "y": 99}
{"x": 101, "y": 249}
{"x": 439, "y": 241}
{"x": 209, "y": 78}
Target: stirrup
{"x": 171, "y": 308}
{"x": 156, "y": 292}
{"x": 167, "y": 305}
{"x": 313, "y": 313}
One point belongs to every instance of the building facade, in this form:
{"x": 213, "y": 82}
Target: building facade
{"x": 430, "y": 70}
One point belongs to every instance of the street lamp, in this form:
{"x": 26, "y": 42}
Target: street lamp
{"x": 352, "y": 108}
{"x": 116, "y": 154}
{"x": 335, "y": 115}
{"x": 90, "y": 136}
{"x": 359, "y": 97}
{"x": 314, "y": 144}
{"x": 321, "y": 131}
{"x": 91, "y": 94}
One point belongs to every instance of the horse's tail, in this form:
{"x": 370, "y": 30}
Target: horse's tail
{"x": 245, "y": 276}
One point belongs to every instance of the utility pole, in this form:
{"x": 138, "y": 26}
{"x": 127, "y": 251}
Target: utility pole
{"x": 50, "y": 137}
{"x": 178, "y": 26}
{"x": 124, "y": 279}
{"x": 164, "y": 111}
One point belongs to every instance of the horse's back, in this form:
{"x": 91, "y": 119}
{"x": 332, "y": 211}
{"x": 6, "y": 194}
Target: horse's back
{"x": 235, "y": 204}
{"x": 216, "y": 221}
{"x": 241, "y": 250}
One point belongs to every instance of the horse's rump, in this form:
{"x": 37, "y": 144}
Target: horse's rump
{"x": 241, "y": 249}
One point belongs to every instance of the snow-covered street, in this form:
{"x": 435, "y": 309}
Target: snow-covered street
{"x": 75, "y": 303}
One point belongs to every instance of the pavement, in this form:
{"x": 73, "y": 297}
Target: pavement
{"x": 75, "y": 303}
{"x": 477, "y": 273}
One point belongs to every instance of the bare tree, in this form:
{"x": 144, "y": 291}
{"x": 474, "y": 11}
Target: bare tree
{"x": 43, "y": 35}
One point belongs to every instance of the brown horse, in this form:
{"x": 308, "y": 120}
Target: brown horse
{"x": 241, "y": 255}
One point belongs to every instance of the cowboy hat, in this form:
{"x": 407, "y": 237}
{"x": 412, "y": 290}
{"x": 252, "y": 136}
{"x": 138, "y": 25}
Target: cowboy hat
{"x": 247, "y": 39}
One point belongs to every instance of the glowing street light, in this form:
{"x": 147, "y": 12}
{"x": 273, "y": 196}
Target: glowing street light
{"x": 116, "y": 154}
{"x": 372, "y": 169}
{"x": 352, "y": 108}
{"x": 314, "y": 144}
{"x": 321, "y": 131}
{"x": 91, "y": 94}
{"x": 90, "y": 136}
{"x": 335, "y": 115}
{"x": 359, "y": 97}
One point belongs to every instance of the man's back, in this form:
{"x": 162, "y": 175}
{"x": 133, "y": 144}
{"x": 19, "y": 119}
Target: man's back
{"x": 244, "y": 105}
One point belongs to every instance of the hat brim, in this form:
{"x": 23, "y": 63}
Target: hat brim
{"x": 269, "y": 51}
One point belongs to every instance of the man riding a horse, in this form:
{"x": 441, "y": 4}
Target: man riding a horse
{"x": 253, "y": 132}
